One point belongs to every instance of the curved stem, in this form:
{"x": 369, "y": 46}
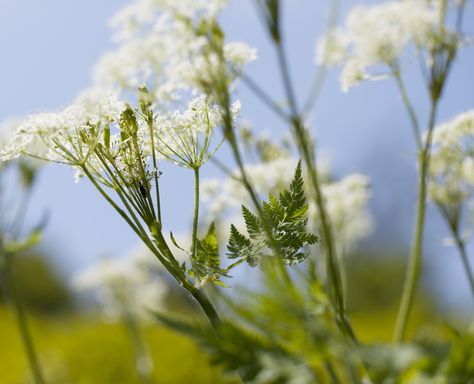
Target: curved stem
{"x": 409, "y": 107}
{"x": 264, "y": 97}
{"x": 22, "y": 322}
{"x": 206, "y": 305}
{"x": 414, "y": 265}
{"x": 253, "y": 195}
{"x": 321, "y": 72}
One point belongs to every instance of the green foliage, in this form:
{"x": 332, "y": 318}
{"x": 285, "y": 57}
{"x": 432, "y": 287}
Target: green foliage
{"x": 25, "y": 244}
{"x": 39, "y": 285}
{"x": 206, "y": 261}
{"x": 277, "y": 335}
{"x": 280, "y": 230}
{"x": 280, "y": 335}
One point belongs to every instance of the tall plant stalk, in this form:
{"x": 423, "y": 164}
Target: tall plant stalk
{"x": 414, "y": 264}
{"x": 307, "y": 153}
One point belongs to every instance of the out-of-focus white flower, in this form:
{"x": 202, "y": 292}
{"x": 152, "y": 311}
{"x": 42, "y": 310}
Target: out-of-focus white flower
{"x": 7, "y": 130}
{"x": 452, "y": 161}
{"x": 129, "y": 20}
{"x": 40, "y": 135}
{"x": 162, "y": 44}
{"x": 346, "y": 200}
{"x": 332, "y": 48}
{"x": 377, "y": 35}
{"x": 124, "y": 286}
{"x": 239, "y": 54}
{"x": 223, "y": 196}
{"x": 347, "y": 207}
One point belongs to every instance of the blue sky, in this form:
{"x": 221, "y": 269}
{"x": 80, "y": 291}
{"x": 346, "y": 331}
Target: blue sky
{"x": 50, "y": 46}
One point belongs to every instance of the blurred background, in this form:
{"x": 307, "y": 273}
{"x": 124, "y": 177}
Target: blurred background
{"x": 48, "y": 51}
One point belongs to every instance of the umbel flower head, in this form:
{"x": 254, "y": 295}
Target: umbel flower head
{"x": 61, "y": 136}
{"x": 99, "y": 132}
{"x": 167, "y": 45}
{"x": 124, "y": 286}
{"x": 185, "y": 137}
{"x": 378, "y": 35}
{"x": 452, "y": 161}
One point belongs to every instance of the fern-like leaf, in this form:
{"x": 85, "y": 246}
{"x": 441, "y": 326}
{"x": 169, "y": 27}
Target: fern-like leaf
{"x": 206, "y": 261}
{"x": 285, "y": 217}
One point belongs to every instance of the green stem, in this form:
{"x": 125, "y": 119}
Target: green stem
{"x": 196, "y": 210}
{"x": 206, "y": 305}
{"x": 414, "y": 265}
{"x": 143, "y": 363}
{"x": 465, "y": 260}
{"x": 321, "y": 73}
{"x": 300, "y": 134}
{"x": 253, "y": 196}
{"x": 264, "y": 97}
{"x": 155, "y": 169}
{"x": 22, "y": 322}
{"x": 409, "y": 107}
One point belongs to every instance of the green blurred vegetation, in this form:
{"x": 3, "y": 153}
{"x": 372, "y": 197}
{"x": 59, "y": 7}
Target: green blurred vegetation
{"x": 81, "y": 348}
{"x": 373, "y": 287}
{"x": 40, "y": 286}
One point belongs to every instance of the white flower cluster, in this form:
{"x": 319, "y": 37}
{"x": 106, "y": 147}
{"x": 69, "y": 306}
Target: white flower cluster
{"x": 162, "y": 44}
{"x": 185, "y": 137}
{"x": 347, "y": 207}
{"x": 7, "y": 129}
{"x": 377, "y": 35}
{"x": 452, "y": 161}
{"x": 124, "y": 286}
{"x": 74, "y": 134}
{"x": 346, "y": 200}
{"x": 226, "y": 195}
{"x": 41, "y": 135}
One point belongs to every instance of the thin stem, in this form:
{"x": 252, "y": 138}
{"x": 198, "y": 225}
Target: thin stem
{"x": 264, "y": 97}
{"x": 321, "y": 72}
{"x": 200, "y": 297}
{"x": 22, "y": 322}
{"x": 465, "y": 261}
{"x": 409, "y": 107}
{"x": 196, "y": 211}
{"x": 299, "y": 132}
{"x": 155, "y": 169}
{"x": 143, "y": 362}
{"x": 287, "y": 84}
{"x": 226, "y": 170}
{"x": 414, "y": 265}
{"x": 315, "y": 91}
{"x": 253, "y": 195}
{"x": 460, "y": 245}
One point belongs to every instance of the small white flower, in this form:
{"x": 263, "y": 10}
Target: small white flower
{"x": 378, "y": 35}
{"x": 452, "y": 161}
{"x": 185, "y": 138}
{"x": 159, "y": 46}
